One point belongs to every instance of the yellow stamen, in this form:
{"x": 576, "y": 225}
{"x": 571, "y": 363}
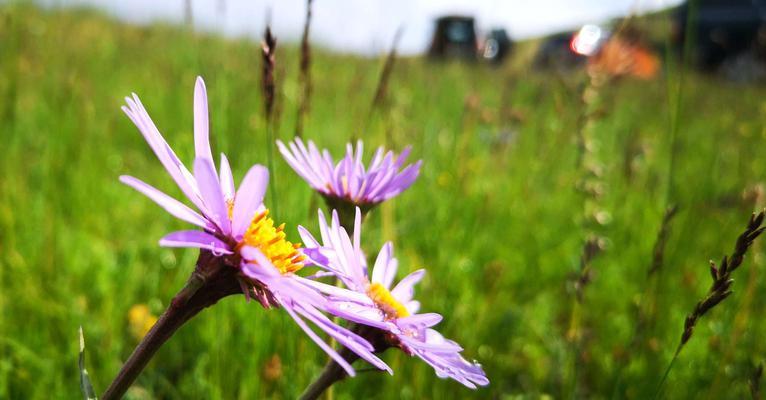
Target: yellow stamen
{"x": 386, "y": 302}
{"x": 272, "y": 243}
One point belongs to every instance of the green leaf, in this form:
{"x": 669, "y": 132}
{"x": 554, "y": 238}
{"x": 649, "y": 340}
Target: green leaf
{"x": 87, "y": 388}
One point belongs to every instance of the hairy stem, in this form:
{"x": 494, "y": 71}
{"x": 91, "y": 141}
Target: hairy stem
{"x": 210, "y": 282}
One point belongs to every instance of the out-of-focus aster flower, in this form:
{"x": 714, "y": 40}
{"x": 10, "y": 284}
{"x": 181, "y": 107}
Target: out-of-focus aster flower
{"x": 372, "y": 301}
{"x": 236, "y": 228}
{"x": 348, "y": 183}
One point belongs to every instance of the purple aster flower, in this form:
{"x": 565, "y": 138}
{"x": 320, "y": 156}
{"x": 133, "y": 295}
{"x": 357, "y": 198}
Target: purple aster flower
{"x": 348, "y": 183}
{"x": 236, "y": 228}
{"x": 372, "y": 301}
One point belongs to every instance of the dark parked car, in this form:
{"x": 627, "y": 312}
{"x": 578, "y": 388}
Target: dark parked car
{"x": 454, "y": 37}
{"x": 623, "y": 53}
{"x": 722, "y": 30}
{"x": 497, "y": 46}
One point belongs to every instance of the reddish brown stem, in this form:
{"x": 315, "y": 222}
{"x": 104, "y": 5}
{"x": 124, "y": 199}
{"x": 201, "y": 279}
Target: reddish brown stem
{"x": 210, "y": 282}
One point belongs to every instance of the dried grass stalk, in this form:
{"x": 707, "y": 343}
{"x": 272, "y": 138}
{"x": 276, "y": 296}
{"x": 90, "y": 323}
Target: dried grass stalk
{"x": 304, "y": 102}
{"x": 385, "y": 74}
{"x": 720, "y": 288}
{"x": 658, "y": 252}
{"x": 268, "y": 49}
{"x": 721, "y": 275}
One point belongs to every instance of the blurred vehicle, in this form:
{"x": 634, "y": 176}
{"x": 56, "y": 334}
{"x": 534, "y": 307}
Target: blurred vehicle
{"x": 616, "y": 54}
{"x": 621, "y": 54}
{"x": 727, "y": 37}
{"x": 497, "y": 46}
{"x": 454, "y": 37}
{"x": 722, "y": 30}
{"x": 555, "y": 52}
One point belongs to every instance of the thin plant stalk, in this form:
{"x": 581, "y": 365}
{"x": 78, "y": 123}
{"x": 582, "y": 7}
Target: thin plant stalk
{"x": 304, "y": 101}
{"x": 591, "y": 188}
{"x": 268, "y": 49}
{"x": 755, "y": 382}
{"x": 592, "y": 247}
{"x": 641, "y": 318}
{"x": 381, "y": 89}
{"x": 385, "y": 73}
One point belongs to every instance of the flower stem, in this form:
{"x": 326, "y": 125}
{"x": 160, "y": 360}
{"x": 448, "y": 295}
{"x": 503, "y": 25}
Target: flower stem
{"x": 331, "y": 373}
{"x": 210, "y": 282}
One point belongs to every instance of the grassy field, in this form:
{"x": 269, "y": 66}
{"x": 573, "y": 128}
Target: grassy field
{"x": 496, "y": 217}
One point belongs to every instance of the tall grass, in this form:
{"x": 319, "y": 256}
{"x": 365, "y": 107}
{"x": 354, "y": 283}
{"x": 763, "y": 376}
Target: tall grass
{"x": 498, "y": 229}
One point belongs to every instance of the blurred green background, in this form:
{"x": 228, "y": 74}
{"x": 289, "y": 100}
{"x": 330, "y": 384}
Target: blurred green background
{"x": 498, "y": 216}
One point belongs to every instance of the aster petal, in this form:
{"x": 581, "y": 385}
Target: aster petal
{"x": 171, "y": 205}
{"x": 379, "y": 185}
{"x": 347, "y": 338}
{"x": 455, "y": 367}
{"x": 329, "y": 350}
{"x": 354, "y": 262}
{"x": 212, "y": 194}
{"x": 320, "y": 257}
{"x": 412, "y": 306}
{"x": 201, "y": 124}
{"x": 323, "y": 229}
{"x": 320, "y": 274}
{"x": 404, "y": 290}
{"x": 183, "y": 178}
{"x": 426, "y": 320}
{"x": 249, "y": 198}
{"x": 403, "y": 180}
{"x": 308, "y": 156}
{"x": 376, "y": 159}
{"x": 199, "y": 239}
{"x": 300, "y": 164}
{"x": 359, "y": 313}
{"x": 358, "y": 237}
{"x": 226, "y": 178}
{"x": 388, "y": 278}
{"x": 257, "y": 266}
{"x": 336, "y": 292}
{"x": 308, "y": 239}
{"x": 382, "y": 263}
{"x": 445, "y": 346}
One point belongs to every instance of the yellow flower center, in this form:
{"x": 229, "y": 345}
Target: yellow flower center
{"x": 271, "y": 241}
{"x": 386, "y": 302}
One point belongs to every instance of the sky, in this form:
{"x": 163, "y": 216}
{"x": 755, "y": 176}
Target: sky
{"x": 368, "y": 26}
